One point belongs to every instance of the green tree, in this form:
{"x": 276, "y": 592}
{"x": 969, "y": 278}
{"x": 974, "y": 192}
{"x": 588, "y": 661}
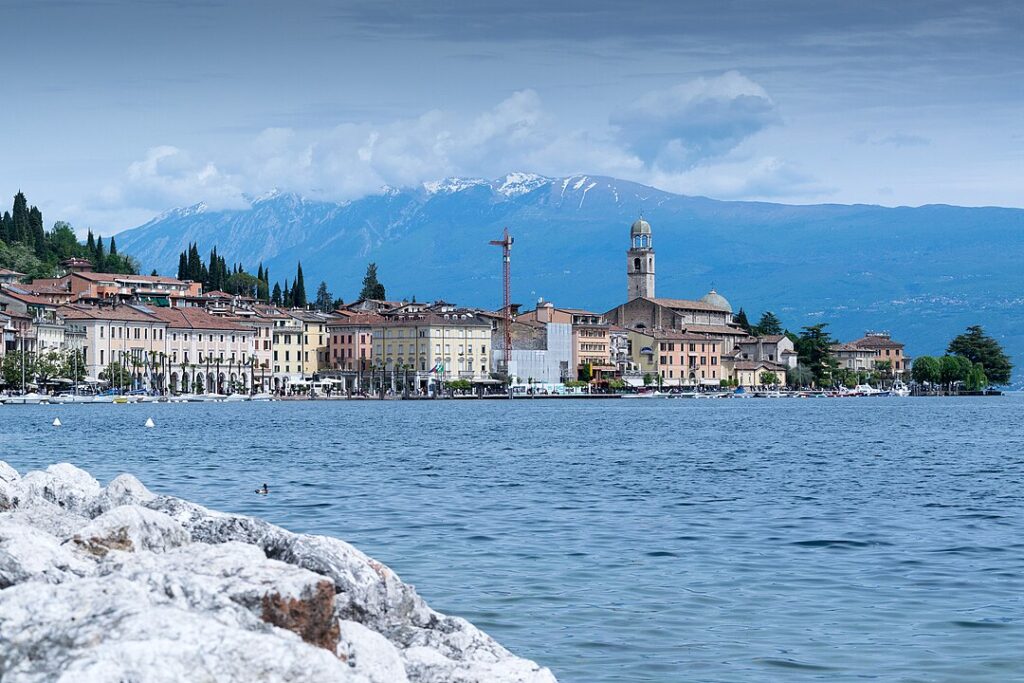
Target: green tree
{"x": 741, "y": 320}
{"x": 116, "y": 374}
{"x": 926, "y": 370}
{"x": 586, "y": 372}
{"x": 276, "y": 298}
{"x": 976, "y": 379}
{"x": 12, "y": 368}
{"x": 814, "y": 350}
{"x": 298, "y": 291}
{"x": 800, "y": 376}
{"x": 73, "y": 365}
{"x": 953, "y": 369}
{"x": 978, "y": 347}
{"x": 372, "y": 288}
{"x": 769, "y": 379}
{"x": 324, "y": 300}
{"x": 48, "y": 366}
{"x": 769, "y": 324}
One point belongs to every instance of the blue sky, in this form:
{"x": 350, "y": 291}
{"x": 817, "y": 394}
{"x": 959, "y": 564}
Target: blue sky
{"x": 116, "y": 110}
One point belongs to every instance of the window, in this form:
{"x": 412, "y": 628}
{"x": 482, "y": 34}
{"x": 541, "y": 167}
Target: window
{"x": 200, "y": 336}
{"x": 101, "y": 332}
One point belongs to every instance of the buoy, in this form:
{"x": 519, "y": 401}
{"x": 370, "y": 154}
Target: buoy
{"x": 56, "y": 422}
{"x": 149, "y": 422}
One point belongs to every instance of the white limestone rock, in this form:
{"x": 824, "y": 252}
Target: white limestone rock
{"x": 7, "y": 473}
{"x": 280, "y": 594}
{"x": 124, "y": 489}
{"x": 370, "y": 654}
{"x": 63, "y": 484}
{"x": 9, "y": 489}
{"x": 39, "y": 513}
{"x": 111, "y": 630}
{"x": 28, "y": 554}
{"x": 163, "y": 589}
{"x": 130, "y": 528}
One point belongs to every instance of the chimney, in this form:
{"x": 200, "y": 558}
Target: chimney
{"x": 544, "y": 311}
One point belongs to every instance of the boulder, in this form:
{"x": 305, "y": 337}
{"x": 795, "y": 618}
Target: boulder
{"x": 124, "y": 489}
{"x": 65, "y": 485}
{"x": 155, "y": 588}
{"x": 28, "y": 554}
{"x": 130, "y": 528}
{"x": 287, "y": 597}
{"x": 110, "y": 630}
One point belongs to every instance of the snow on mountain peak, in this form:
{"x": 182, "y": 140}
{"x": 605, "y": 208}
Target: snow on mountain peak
{"x": 452, "y": 185}
{"x": 518, "y": 183}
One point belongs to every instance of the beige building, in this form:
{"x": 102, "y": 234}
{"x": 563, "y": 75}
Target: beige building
{"x": 314, "y": 351}
{"x": 434, "y": 345}
{"x": 127, "y": 335}
{"x": 677, "y": 359}
{"x": 204, "y": 351}
{"x": 751, "y": 374}
{"x": 287, "y": 346}
{"x": 591, "y": 342}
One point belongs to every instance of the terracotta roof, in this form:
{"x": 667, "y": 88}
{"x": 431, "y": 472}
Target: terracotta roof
{"x": 875, "y": 342}
{"x": 8, "y": 271}
{"x": 195, "y": 318}
{"x": 689, "y": 304}
{"x": 715, "y": 329}
{"x": 25, "y": 297}
{"x": 453, "y": 319}
{"x": 123, "y": 313}
{"x": 675, "y": 335}
{"x": 356, "y": 320}
{"x": 756, "y": 364}
{"x": 131, "y": 278}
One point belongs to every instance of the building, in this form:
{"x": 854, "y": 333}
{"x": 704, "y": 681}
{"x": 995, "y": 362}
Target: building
{"x": 432, "y": 345}
{"x": 852, "y": 357}
{"x": 775, "y": 348}
{"x": 81, "y": 284}
{"x": 46, "y": 329}
{"x": 10, "y": 277}
{"x": 204, "y": 351}
{"x": 640, "y": 262}
{"x": 674, "y": 359}
{"x": 755, "y": 374}
{"x": 128, "y": 335}
{"x": 314, "y": 351}
{"x": 287, "y": 349}
{"x": 886, "y": 350}
{"x": 350, "y": 343}
{"x": 542, "y": 354}
{"x": 591, "y": 345}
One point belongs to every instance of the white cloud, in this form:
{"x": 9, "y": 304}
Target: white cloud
{"x": 688, "y": 124}
{"x": 680, "y": 139}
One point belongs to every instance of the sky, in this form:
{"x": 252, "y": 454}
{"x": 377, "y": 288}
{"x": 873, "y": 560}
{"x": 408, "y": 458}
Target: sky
{"x": 117, "y": 110}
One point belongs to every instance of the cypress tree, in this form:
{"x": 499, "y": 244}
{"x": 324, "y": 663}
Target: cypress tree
{"x": 101, "y": 258}
{"x": 299, "y": 289}
{"x": 5, "y": 227}
{"x": 275, "y": 298}
{"x": 38, "y": 232}
{"x": 19, "y": 216}
{"x": 90, "y": 245}
{"x": 113, "y": 247}
{"x": 182, "y": 266}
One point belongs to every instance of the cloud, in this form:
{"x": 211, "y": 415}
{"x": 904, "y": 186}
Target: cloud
{"x": 757, "y": 178}
{"x": 690, "y": 123}
{"x": 892, "y": 140}
{"x": 681, "y": 139}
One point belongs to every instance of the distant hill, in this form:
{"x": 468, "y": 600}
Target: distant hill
{"x": 924, "y": 273}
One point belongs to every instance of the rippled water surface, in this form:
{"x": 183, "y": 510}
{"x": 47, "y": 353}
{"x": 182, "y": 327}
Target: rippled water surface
{"x": 651, "y": 540}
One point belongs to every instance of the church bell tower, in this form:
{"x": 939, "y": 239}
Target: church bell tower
{"x": 640, "y": 262}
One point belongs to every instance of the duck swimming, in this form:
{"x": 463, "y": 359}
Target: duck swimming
{"x": 263, "y": 491}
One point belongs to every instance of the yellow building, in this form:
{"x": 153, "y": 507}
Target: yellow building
{"x": 287, "y": 351}
{"x": 433, "y": 345}
{"x": 314, "y": 341}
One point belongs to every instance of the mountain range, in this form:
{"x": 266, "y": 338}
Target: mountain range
{"x": 923, "y": 273}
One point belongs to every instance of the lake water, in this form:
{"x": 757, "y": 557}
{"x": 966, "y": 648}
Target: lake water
{"x": 644, "y": 540}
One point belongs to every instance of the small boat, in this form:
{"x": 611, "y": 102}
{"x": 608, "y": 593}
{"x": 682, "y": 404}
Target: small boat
{"x": 899, "y": 388}
{"x": 866, "y": 390}
{"x": 234, "y": 398}
{"x": 262, "y": 397}
{"x": 31, "y": 398}
{"x": 72, "y": 398}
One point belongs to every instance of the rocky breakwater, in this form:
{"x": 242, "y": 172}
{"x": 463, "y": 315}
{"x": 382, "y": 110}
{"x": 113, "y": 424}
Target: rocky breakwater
{"x": 118, "y": 584}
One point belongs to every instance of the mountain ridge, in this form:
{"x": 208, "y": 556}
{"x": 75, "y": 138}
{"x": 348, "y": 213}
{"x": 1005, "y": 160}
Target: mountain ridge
{"x": 924, "y": 272}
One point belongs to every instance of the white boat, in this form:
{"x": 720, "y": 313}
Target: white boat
{"x": 72, "y": 398}
{"x": 262, "y": 397}
{"x": 27, "y": 399}
{"x": 234, "y": 398}
{"x": 899, "y": 388}
{"x": 102, "y": 398}
{"x": 866, "y": 390}
{"x": 206, "y": 398}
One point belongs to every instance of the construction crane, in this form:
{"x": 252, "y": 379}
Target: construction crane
{"x": 506, "y": 312}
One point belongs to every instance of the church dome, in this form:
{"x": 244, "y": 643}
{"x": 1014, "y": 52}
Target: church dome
{"x": 640, "y": 227}
{"x": 717, "y": 300}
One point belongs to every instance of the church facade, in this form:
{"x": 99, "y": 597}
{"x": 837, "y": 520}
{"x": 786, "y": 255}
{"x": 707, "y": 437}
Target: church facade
{"x": 644, "y": 311}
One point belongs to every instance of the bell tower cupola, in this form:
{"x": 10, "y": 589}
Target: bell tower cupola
{"x": 640, "y": 261}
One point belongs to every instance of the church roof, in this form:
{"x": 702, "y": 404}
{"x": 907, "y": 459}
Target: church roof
{"x": 640, "y": 227}
{"x": 691, "y": 305}
{"x": 717, "y": 300}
